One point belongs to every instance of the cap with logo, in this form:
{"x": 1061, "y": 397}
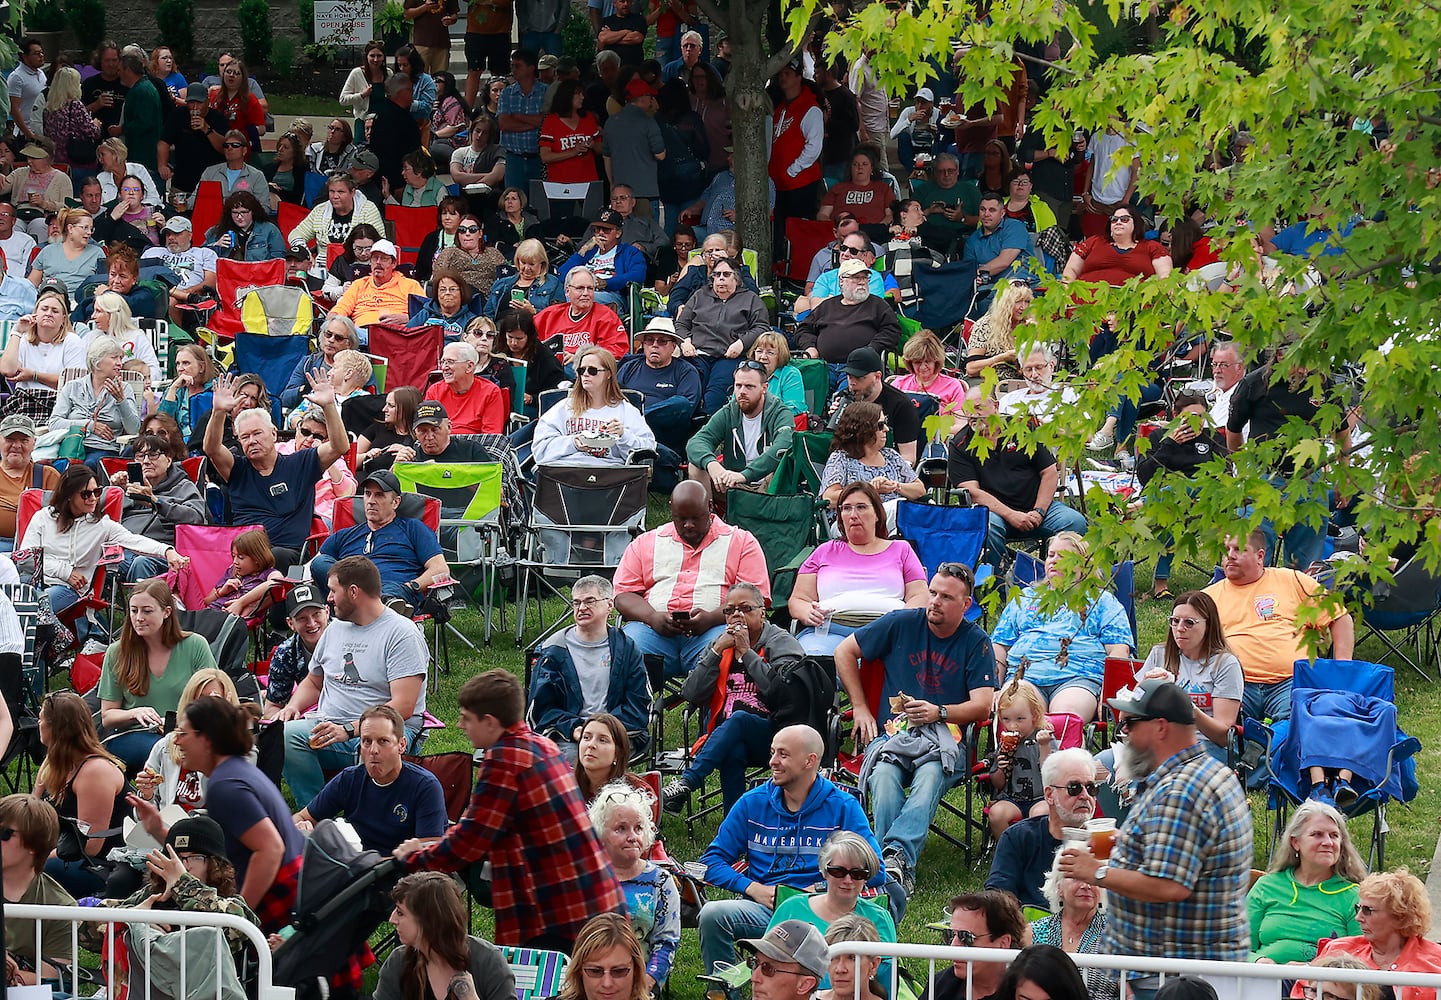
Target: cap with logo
{"x": 792, "y": 941}
{"x": 197, "y": 835}
{"x": 1156, "y": 698}
{"x": 429, "y": 412}
{"x": 609, "y": 217}
{"x": 17, "y": 423}
{"x": 177, "y": 224}
{"x": 548, "y": 61}
{"x": 305, "y": 595}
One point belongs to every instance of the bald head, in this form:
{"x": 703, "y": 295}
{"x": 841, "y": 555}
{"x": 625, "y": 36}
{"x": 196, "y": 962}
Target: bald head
{"x": 803, "y": 738}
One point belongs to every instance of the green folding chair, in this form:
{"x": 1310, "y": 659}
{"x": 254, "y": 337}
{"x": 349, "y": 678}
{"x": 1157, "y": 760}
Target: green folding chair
{"x": 801, "y": 468}
{"x": 788, "y": 527}
{"x": 538, "y": 973}
{"x": 470, "y": 524}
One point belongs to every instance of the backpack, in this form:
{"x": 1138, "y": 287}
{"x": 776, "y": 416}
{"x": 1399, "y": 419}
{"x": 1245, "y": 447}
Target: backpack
{"x": 680, "y": 175}
{"x": 807, "y": 698}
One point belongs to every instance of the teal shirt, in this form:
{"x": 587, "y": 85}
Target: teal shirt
{"x": 798, "y": 907}
{"x": 787, "y": 385}
{"x": 1288, "y": 918}
{"x": 964, "y": 193}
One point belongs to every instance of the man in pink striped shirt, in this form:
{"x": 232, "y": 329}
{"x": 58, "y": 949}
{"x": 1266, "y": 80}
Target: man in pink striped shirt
{"x": 671, "y": 582}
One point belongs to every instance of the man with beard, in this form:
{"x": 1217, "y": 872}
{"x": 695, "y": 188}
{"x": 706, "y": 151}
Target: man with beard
{"x": 1179, "y": 871}
{"x": 855, "y": 319}
{"x": 1027, "y": 849}
{"x": 370, "y": 655}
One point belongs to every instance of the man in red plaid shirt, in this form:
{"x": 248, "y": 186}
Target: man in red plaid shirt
{"x": 527, "y": 818}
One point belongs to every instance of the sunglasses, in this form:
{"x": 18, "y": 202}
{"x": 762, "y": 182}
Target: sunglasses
{"x": 1121, "y": 218}
{"x": 467, "y": 229}
{"x": 1074, "y": 788}
{"x": 1131, "y": 721}
{"x": 91, "y": 494}
{"x": 589, "y": 370}
{"x": 751, "y": 364}
{"x": 847, "y": 251}
{"x": 739, "y": 609}
{"x": 960, "y": 571}
{"x": 768, "y": 970}
{"x": 855, "y": 874}
{"x": 881, "y": 425}
{"x": 963, "y": 938}
{"x": 235, "y": 145}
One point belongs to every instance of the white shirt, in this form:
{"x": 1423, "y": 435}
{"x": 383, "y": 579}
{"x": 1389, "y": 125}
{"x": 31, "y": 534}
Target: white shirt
{"x": 1221, "y": 410}
{"x": 1106, "y": 148}
{"x": 190, "y": 264}
{"x": 751, "y": 435}
{"x": 18, "y": 249}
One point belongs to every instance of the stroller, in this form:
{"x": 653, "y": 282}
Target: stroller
{"x": 344, "y": 895}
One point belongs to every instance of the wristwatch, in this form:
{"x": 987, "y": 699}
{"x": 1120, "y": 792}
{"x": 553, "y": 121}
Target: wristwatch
{"x": 945, "y": 713}
{"x": 1101, "y": 873}
{"x": 349, "y": 730}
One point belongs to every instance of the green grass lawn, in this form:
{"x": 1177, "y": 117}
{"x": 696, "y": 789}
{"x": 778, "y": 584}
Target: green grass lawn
{"x": 943, "y": 870}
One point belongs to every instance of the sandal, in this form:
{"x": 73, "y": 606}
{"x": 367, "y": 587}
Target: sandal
{"x": 1163, "y": 594}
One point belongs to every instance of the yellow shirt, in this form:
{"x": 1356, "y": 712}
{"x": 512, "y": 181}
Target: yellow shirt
{"x": 1259, "y": 621}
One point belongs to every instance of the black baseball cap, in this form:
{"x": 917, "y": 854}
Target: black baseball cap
{"x": 429, "y": 412}
{"x": 1156, "y": 698}
{"x": 383, "y": 478}
{"x": 864, "y": 361}
{"x": 609, "y": 217}
{"x": 305, "y": 595}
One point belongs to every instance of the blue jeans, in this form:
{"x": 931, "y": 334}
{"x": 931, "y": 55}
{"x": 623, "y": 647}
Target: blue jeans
{"x": 135, "y": 567}
{"x": 392, "y": 588}
{"x": 134, "y": 748}
{"x": 740, "y": 740}
{"x": 80, "y": 881}
{"x": 521, "y": 169}
{"x": 816, "y": 644}
{"x": 305, "y": 767}
{"x": 1128, "y": 413}
{"x": 670, "y": 421}
{"x": 680, "y": 652}
{"x": 612, "y": 299}
{"x": 1058, "y": 518}
{"x": 1304, "y": 543}
{"x": 538, "y": 41}
{"x": 717, "y": 376}
{"x": 723, "y": 922}
{"x": 63, "y": 597}
{"x": 902, "y": 821}
{"x": 1263, "y": 702}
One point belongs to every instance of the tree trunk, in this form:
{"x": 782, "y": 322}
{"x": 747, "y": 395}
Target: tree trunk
{"x": 750, "y": 120}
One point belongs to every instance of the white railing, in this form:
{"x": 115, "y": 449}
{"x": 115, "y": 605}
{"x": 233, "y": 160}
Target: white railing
{"x": 181, "y": 920}
{"x": 1231, "y": 979}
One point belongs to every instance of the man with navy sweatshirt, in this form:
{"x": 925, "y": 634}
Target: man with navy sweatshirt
{"x": 778, "y": 828}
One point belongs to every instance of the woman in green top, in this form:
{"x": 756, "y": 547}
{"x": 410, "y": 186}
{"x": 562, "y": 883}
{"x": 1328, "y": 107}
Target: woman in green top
{"x": 848, "y": 863}
{"x": 1310, "y": 891}
{"x": 145, "y": 672}
{"x": 785, "y": 378}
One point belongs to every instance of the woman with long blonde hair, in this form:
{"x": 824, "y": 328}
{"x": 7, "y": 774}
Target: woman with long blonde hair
{"x": 596, "y": 425}
{"x": 607, "y": 962}
{"x": 993, "y": 337}
{"x": 66, "y": 119}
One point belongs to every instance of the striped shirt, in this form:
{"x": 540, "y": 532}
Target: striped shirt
{"x": 1191, "y": 824}
{"x": 672, "y": 576}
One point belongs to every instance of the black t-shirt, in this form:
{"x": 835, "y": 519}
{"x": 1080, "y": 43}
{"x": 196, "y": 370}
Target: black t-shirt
{"x": 843, "y": 126}
{"x": 630, "y": 55}
{"x": 901, "y": 414}
{"x": 1052, "y": 177}
{"x": 1267, "y": 406}
{"x": 1008, "y": 473}
{"x": 340, "y": 226}
{"x": 91, "y": 90}
{"x": 191, "y": 151}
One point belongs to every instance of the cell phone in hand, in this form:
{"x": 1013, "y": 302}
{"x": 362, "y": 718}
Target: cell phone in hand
{"x": 111, "y": 555}
{"x": 680, "y": 616}
{"x": 132, "y": 469}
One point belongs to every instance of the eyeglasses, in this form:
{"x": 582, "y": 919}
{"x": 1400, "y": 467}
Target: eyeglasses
{"x": 589, "y": 370}
{"x": 1074, "y": 788}
{"x": 856, "y": 508}
{"x": 467, "y": 229}
{"x": 235, "y": 145}
{"x": 963, "y": 938}
{"x": 147, "y": 456}
{"x": 587, "y": 602}
{"x": 178, "y": 732}
{"x": 1309, "y": 993}
{"x": 739, "y": 609}
{"x": 1184, "y": 623}
{"x": 1362, "y": 910}
{"x": 1131, "y": 721}
{"x": 91, "y": 494}
{"x": 856, "y": 874}
{"x": 770, "y": 971}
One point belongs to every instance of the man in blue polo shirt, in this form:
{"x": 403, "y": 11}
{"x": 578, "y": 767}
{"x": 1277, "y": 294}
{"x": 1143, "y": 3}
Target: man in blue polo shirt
{"x": 406, "y": 552}
{"x": 386, "y": 798}
{"x": 999, "y": 248}
{"x": 267, "y": 488}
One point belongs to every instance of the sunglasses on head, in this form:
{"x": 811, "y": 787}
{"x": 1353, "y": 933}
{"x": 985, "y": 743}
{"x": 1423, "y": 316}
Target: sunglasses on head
{"x": 960, "y": 571}
{"x": 751, "y": 364}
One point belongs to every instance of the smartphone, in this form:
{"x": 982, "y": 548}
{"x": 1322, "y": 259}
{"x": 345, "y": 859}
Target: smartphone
{"x": 517, "y": 295}
{"x": 111, "y": 555}
{"x": 680, "y": 616}
{"x": 132, "y": 469}
{"x": 169, "y": 721}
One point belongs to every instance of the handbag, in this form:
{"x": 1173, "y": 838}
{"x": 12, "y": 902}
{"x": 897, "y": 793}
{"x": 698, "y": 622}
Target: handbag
{"x": 81, "y": 151}
{"x": 72, "y": 445}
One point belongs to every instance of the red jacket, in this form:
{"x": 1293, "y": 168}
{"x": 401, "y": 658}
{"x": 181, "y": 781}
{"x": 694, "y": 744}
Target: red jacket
{"x": 787, "y": 142}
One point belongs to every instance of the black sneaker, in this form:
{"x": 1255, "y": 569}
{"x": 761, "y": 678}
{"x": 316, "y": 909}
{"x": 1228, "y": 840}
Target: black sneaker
{"x": 896, "y": 868}
{"x": 675, "y": 795}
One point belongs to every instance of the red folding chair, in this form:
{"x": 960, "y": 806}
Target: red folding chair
{"x": 412, "y": 226}
{"x": 804, "y": 239}
{"x": 411, "y": 354}
{"x": 233, "y": 279}
{"x": 288, "y": 216}
{"x": 206, "y": 214}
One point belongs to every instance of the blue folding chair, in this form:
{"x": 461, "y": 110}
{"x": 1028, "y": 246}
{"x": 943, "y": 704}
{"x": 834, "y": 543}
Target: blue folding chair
{"x": 947, "y": 534}
{"x": 272, "y": 358}
{"x": 1378, "y": 752}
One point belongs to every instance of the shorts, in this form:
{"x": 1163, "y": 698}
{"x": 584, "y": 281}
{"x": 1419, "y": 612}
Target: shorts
{"x": 1024, "y": 805}
{"x": 1049, "y": 691}
{"x": 488, "y": 51}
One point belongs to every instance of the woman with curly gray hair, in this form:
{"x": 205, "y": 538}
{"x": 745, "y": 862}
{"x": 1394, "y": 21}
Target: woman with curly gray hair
{"x": 624, "y": 820}
{"x": 1078, "y": 915}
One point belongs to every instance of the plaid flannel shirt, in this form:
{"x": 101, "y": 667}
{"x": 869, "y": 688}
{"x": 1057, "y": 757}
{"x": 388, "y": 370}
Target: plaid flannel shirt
{"x": 1191, "y": 824}
{"x": 526, "y": 816}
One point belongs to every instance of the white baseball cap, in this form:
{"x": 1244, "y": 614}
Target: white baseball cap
{"x": 385, "y": 247}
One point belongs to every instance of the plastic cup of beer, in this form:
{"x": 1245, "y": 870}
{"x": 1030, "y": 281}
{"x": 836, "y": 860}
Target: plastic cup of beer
{"x": 315, "y": 741}
{"x": 1102, "y": 835}
{"x": 1075, "y": 836}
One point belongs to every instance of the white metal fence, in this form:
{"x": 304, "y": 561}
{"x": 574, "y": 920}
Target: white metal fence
{"x": 1232, "y": 980}
{"x": 181, "y": 920}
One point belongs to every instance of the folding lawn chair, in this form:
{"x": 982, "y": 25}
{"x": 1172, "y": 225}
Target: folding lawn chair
{"x": 411, "y": 226}
{"x": 582, "y": 519}
{"x": 948, "y": 534}
{"x": 208, "y": 547}
{"x": 91, "y": 604}
{"x": 1409, "y": 606}
{"x": 788, "y": 527}
{"x": 272, "y": 358}
{"x": 412, "y": 355}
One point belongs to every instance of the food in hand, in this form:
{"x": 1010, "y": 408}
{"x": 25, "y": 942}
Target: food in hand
{"x": 1009, "y": 741}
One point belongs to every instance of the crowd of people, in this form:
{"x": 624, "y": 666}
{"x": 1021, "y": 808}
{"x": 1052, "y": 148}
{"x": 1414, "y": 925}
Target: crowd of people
{"x": 640, "y": 334}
